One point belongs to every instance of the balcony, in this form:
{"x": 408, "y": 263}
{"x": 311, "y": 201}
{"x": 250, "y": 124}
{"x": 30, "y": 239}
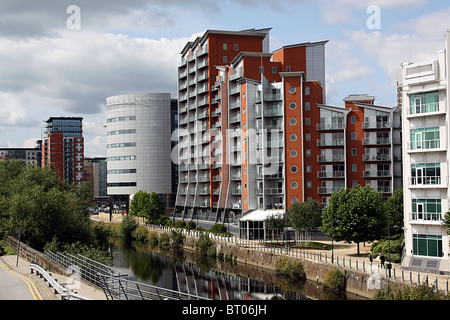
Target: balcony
{"x": 376, "y": 125}
{"x": 379, "y": 141}
{"x": 427, "y": 182}
{"x": 329, "y": 126}
{"x": 236, "y": 192}
{"x": 378, "y": 157}
{"x": 330, "y": 142}
{"x": 431, "y": 218}
{"x": 425, "y": 145}
{"x": 331, "y": 174}
{"x": 273, "y": 191}
{"x": 331, "y": 158}
{"x": 377, "y": 174}
{"x": 328, "y": 190}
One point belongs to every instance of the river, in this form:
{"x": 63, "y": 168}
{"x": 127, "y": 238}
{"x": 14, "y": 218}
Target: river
{"x": 218, "y": 280}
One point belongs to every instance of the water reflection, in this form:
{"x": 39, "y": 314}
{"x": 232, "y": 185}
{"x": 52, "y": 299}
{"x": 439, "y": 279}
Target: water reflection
{"x": 213, "y": 279}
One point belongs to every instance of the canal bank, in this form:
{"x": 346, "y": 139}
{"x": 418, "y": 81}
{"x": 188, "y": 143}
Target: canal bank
{"x": 362, "y": 278}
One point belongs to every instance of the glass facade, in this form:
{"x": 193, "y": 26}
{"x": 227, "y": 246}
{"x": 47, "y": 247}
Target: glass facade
{"x": 425, "y": 138}
{"x": 424, "y": 102}
{"x": 427, "y": 245}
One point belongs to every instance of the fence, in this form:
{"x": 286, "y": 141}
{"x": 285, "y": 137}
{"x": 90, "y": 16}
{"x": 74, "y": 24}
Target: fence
{"x": 439, "y": 282}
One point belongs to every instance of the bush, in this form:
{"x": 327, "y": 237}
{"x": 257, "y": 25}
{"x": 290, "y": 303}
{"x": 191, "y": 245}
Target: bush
{"x": 153, "y": 239}
{"x": 190, "y": 225}
{"x": 334, "y": 281}
{"x": 180, "y": 224}
{"x": 218, "y": 228}
{"x": 140, "y": 234}
{"x": 205, "y": 246}
{"x": 127, "y": 226}
{"x": 293, "y": 269}
{"x": 422, "y": 292}
{"x": 164, "y": 241}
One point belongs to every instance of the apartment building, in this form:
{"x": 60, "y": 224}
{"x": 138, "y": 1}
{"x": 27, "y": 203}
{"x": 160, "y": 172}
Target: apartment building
{"x": 423, "y": 95}
{"x": 29, "y": 156}
{"x": 241, "y": 124}
{"x": 358, "y": 144}
{"x": 63, "y": 148}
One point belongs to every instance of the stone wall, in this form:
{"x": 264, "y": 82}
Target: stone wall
{"x": 33, "y": 256}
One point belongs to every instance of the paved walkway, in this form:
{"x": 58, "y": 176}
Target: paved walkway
{"x": 47, "y": 293}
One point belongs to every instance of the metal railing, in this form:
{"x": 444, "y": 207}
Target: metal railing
{"x": 117, "y": 288}
{"x": 66, "y": 294}
{"x": 87, "y": 269}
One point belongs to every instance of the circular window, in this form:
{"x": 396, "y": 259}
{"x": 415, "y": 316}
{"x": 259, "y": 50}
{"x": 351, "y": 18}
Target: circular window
{"x": 293, "y": 122}
{"x": 294, "y": 185}
{"x": 292, "y": 90}
{"x": 293, "y": 153}
{"x": 292, "y": 105}
{"x": 294, "y": 200}
{"x": 293, "y": 169}
{"x": 293, "y": 137}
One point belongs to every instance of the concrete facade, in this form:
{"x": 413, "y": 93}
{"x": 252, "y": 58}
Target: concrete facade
{"x": 423, "y": 95}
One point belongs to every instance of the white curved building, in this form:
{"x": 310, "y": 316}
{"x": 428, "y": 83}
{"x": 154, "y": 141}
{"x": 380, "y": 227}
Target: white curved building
{"x": 138, "y": 145}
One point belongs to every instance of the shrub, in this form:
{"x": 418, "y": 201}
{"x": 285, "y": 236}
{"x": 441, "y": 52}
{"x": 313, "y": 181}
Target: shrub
{"x": 140, "y": 234}
{"x": 180, "y": 224}
{"x": 218, "y": 228}
{"x": 334, "y": 281}
{"x": 190, "y": 225}
{"x": 293, "y": 269}
{"x": 204, "y": 246}
{"x": 422, "y": 292}
{"x": 127, "y": 226}
{"x": 153, "y": 239}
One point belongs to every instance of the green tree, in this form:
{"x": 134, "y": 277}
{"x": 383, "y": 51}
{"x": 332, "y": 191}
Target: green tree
{"x": 394, "y": 210}
{"x": 354, "y": 215}
{"x": 275, "y": 223}
{"x": 305, "y": 217}
{"x": 37, "y": 201}
{"x": 147, "y": 205}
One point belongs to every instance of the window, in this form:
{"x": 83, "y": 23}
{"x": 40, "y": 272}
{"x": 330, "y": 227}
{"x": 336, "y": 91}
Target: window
{"x": 307, "y": 106}
{"x": 236, "y": 47}
{"x": 292, "y": 106}
{"x": 353, "y": 135}
{"x": 425, "y": 138}
{"x": 308, "y": 168}
{"x": 355, "y": 183}
{"x": 354, "y": 151}
{"x": 294, "y": 200}
{"x": 294, "y": 185}
{"x": 426, "y": 173}
{"x": 293, "y": 122}
{"x": 426, "y": 209}
{"x": 293, "y": 137}
{"x": 225, "y": 46}
{"x": 293, "y": 153}
{"x": 427, "y": 245}
{"x": 307, "y": 91}
{"x": 308, "y": 137}
{"x": 308, "y": 184}
{"x": 354, "y": 168}
{"x": 308, "y": 152}
{"x": 274, "y": 70}
{"x": 307, "y": 121}
{"x": 293, "y": 169}
{"x": 288, "y": 69}
{"x": 292, "y": 90}
{"x": 424, "y": 102}
{"x": 225, "y": 59}
{"x": 353, "y": 120}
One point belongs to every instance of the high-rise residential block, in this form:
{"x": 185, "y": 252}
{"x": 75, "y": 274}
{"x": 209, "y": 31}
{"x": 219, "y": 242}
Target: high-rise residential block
{"x": 63, "y": 148}
{"x": 423, "y": 90}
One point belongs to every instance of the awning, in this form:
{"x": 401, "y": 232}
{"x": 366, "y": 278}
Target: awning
{"x": 261, "y": 215}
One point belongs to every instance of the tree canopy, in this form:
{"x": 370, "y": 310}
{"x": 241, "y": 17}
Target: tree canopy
{"x": 355, "y": 215}
{"x": 305, "y": 217}
{"x": 36, "y": 200}
{"x": 147, "y": 205}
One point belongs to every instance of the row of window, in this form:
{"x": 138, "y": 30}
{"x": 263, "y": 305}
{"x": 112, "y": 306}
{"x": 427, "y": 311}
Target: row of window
{"x": 121, "y": 158}
{"x": 117, "y": 119}
{"x": 116, "y": 132}
{"x": 121, "y": 145}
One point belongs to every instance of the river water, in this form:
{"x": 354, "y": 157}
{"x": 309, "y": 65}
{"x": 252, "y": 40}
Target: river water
{"x": 218, "y": 280}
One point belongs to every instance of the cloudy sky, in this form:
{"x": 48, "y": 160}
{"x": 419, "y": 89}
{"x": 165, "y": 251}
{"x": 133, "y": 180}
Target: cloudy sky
{"x": 60, "y": 60}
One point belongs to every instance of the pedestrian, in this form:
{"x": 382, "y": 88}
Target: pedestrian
{"x": 371, "y": 257}
{"x": 382, "y": 259}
